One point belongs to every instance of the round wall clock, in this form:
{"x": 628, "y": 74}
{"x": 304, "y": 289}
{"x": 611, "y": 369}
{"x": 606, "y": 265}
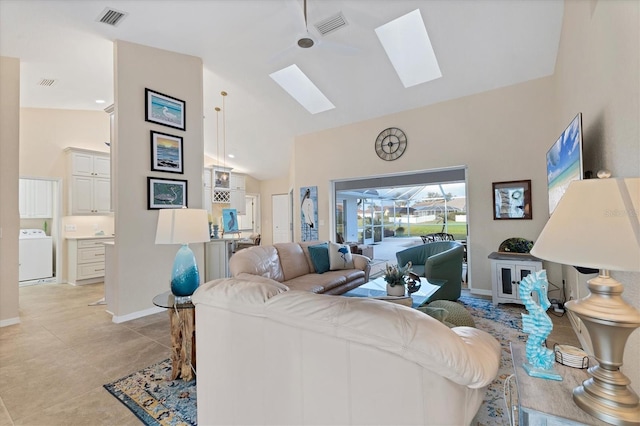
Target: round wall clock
{"x": 391, "y": 144}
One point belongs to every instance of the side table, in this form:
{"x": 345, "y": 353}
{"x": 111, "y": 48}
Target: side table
{"x": 183, "y": 336}
{"x": 549, "y": 402}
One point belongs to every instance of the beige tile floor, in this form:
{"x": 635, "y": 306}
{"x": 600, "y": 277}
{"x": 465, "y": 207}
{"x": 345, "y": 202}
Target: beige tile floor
{"x": 54, "y": 363}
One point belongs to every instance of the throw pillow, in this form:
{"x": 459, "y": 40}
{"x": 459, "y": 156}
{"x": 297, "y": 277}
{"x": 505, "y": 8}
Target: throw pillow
{"x": 340, "y": 257}
{"x": 319, "y": 255}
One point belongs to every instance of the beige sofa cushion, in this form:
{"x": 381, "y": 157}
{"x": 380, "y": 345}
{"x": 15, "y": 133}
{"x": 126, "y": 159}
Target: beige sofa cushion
{"x": 293, "y": 260}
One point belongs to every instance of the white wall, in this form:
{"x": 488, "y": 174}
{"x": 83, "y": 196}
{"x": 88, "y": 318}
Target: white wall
{"x": 501, "y": 135}
{"x": 143, "y": 268}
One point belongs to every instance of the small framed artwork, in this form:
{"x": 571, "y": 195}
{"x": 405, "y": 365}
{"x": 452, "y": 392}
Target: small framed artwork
{"x": 166, "y": 193}
{"x": 166, "y": 153}
{"x": 164, "y": 109}
{"x": 230, "y": 220}
{"x": 512, "y": 200}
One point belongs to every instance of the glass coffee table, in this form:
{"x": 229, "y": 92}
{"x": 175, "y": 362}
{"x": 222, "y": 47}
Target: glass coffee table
{"x": 377, "y": 289}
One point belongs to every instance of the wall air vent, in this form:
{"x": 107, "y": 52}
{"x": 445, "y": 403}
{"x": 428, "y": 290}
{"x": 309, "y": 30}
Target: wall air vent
{"x": 46, "y": 82}
{"x": 111, "y": 16}
{"x": 331, "y": 24}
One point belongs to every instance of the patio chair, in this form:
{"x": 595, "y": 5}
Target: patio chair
{"x": 439, "y": 260}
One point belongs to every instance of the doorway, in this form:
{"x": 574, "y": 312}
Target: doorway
{"x": 281, "y": 218}
{"x": 389, "y": 213}
{"x": 40, "y": 206}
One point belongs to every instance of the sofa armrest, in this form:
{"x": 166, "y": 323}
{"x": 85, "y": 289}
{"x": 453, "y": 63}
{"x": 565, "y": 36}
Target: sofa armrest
{"x": 363, "y": 263}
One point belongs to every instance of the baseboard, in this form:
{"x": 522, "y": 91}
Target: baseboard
{"x": 10, "y": 321}
{"x": 480, "y": 292}
{"x": 135, "y": 315}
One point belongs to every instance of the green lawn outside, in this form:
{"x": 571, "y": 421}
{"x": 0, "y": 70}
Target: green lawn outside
{"x": 458, "y": 230}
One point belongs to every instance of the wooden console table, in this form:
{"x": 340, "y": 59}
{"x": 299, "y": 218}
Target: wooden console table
{"x": 183, "y": 335}
{"x": 549, "y": 402}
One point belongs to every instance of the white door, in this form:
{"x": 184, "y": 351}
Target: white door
{"x": 281, "y": 218}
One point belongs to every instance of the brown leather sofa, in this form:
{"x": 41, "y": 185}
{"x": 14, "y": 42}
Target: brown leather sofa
{"x": 290, "y": 264}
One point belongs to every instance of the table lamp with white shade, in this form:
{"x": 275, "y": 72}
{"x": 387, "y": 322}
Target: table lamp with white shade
{"x": 183, "y": 226}
{"x": 596, "y": 225}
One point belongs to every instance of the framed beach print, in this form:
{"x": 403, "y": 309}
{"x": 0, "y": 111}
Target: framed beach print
{"x": 166, "y": 193}
{"x": 166, "y": 153}
{"x": 230, "y": 221}
{"x": 512, "y": 200}
{"x": 164, "y": 109}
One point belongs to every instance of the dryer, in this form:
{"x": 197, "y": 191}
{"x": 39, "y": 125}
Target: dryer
{"x": 35, "y": 255}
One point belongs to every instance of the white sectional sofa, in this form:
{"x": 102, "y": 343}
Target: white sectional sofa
{"x": 267, "y": 355}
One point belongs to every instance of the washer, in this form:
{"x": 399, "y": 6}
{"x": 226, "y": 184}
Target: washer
{"x": 35, "y": 255}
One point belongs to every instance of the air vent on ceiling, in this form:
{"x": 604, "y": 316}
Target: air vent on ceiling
{"x": 331, "y": 24}
{"x": 111, "y": 16}
{"x": 46, "y": 82}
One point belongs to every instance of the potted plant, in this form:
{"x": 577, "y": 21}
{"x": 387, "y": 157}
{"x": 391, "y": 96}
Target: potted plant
{"x": 395, "y": 277}
{"x": 399, "y": 231}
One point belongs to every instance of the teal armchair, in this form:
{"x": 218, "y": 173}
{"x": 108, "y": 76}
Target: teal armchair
{"x": 441, "y": 260}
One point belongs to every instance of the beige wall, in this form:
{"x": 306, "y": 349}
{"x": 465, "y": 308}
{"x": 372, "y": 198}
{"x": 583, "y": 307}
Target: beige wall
{"x": 501, "y": 135}
{"x": 598, "y": 73}
{"x": 45, "y": 133}
{"x": 9, "y": 172}
{"x": 144, "y": 268}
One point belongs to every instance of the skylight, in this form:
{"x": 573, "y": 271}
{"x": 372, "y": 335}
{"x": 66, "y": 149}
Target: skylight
{"x": 302, "y": 89}
{"x": 409, "y": 49}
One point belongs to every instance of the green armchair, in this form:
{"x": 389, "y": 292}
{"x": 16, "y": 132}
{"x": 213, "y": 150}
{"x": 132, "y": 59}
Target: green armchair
{"x": 439, "y": 260}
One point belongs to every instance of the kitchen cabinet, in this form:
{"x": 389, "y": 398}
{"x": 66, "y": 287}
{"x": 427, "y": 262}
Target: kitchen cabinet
{"x": 229, "y": 188}
{"x": 207, "y": 192}
{"x": 35, "y": 199}
{"x": 237, "y": 193}
{"x": 85, "y": 260}
{"x": 507, "y": 270}
{"x": 89, "y": 182}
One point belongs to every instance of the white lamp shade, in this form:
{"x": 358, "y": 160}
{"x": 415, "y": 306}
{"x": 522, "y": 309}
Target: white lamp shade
{"x": 182, "y": 226}
{"x": 595, "y": 225}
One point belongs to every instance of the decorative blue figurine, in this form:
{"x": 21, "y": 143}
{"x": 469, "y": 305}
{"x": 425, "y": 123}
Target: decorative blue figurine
{"x": 538, "y": 325}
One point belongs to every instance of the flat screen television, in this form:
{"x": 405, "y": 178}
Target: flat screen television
{"x": 564, "y": 161}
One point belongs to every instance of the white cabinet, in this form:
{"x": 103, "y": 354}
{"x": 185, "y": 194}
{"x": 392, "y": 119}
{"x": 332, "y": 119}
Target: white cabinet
{"x": 89, "y": 182}
{"x": 237, "y": 193}
{"x": 208, "y": 189}
{"x": 35, "y": 198}
{"x": 216, "y": 255}
{"x": 86, "y": 164}
{"x": 229, "y": 188}
{"x": 85, "y": 260}
{"x": 507, "y": 270}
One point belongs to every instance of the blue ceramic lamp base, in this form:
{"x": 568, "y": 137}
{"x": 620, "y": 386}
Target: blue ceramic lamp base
{"x": 185, "y": 277}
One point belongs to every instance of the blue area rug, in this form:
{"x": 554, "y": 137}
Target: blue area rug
{"x": 157, "y": 400}
{"x": 504, "y": 322}
{"x": 154, "y": 398}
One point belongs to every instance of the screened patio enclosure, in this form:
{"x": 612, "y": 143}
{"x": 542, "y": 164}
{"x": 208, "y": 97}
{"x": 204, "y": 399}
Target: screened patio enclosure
{"x": 370, "y": 210}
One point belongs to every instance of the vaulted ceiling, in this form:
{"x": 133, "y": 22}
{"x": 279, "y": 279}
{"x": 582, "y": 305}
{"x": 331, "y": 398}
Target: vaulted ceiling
{"x": 480, "y": 45}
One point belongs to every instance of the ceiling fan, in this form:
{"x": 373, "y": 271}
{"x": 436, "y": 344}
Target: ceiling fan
{"x": 306, "y": 40}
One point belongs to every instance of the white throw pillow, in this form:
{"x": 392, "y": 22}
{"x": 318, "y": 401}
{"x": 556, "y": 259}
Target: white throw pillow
{"x": 339, "y": 257}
